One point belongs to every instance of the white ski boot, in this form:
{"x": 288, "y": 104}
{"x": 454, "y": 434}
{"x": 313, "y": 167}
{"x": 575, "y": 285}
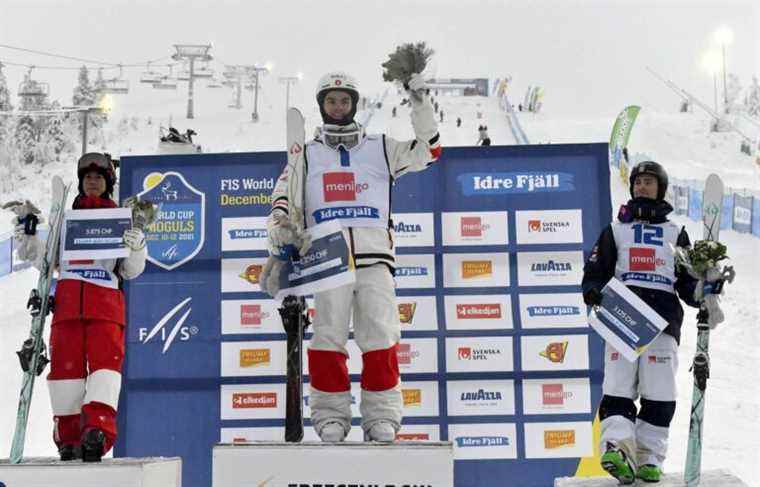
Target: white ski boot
{"x": 332, "y": 432}
{"x": 382, "y": 432}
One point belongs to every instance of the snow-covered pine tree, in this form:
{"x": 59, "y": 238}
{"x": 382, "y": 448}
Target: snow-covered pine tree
{"x": 752, "y": 100}
{"x": 5, "y": 121}
{"x": 5, "y": 94}
{"x": 733, "y": 92}
{"x": 84, "y": 92}
{"x": 25, "y": 137}
{"x": 55, "y": 137}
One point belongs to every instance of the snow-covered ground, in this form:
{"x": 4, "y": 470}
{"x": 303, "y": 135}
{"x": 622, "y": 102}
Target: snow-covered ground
{"x": 680, "y": 141}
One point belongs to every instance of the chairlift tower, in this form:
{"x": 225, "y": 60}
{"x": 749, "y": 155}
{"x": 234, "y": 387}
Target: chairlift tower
{"x": 33, "y": 93}
{"x": 191, "y": 53}
{"x": 254, "y": 72}
{"x": 235, "y": 75}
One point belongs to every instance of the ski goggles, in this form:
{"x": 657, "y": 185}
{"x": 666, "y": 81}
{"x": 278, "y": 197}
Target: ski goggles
{"x": 348, "y": 136}
{"x": 95, "y": 160}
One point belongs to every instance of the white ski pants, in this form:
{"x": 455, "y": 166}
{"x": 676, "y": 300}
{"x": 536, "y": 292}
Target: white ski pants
{"x": 653, "y": 378}
{"x": 377, "y": 331}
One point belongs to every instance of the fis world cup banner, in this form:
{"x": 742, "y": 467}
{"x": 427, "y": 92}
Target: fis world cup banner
{"x": 624, "y": 321}
{"x": 496, "y": 354}
{"x": 178, "y": 233}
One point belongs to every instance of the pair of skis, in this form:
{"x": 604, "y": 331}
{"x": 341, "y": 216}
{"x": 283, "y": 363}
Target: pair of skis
{"x": 32, "y": 353}
{"x": 712, "y": 205}
{"x": 294, "y": 310}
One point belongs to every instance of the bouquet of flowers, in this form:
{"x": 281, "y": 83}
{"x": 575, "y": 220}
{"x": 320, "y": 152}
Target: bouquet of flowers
{"x": 701, "y": 260}
{"x": 405, "y": 61}
{"x": 143, "y": 212}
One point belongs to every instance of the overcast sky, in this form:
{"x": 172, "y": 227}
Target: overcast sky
{"x": 589, "y": 55}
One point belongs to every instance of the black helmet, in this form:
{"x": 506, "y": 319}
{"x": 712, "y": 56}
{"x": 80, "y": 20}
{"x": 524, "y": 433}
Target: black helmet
{"x": 656, "y": 170}
{"x": 100, "y": 162}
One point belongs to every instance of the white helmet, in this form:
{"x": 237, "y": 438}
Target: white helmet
{"x": 337, "y": 81}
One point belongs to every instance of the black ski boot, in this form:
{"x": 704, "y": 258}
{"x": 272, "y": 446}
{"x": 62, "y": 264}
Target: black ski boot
{"x": 70, "y": 452}
{"x": 92, "y": 445}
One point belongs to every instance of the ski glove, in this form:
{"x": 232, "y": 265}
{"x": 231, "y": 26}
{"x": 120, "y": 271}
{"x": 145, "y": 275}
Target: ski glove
{"x": 134, "y": 238}
{"x": 592, "y": 297}
{"x": 416, "y": 88}
{"x": 284, "y": 238}
{"x": 269, "y": 281}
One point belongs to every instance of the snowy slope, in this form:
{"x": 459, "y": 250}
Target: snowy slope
{"x": 680, "y": 141}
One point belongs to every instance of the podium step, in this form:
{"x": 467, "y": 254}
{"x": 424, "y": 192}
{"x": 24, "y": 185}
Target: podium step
{"x": 114, "y": 472}
{"x": 710, "y": 478}
{"x": 308, "y": 464}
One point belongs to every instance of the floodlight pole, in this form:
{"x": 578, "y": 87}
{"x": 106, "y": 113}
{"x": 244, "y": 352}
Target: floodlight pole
{"x": 191, "y": 53}
{"x": 288, "y": 80}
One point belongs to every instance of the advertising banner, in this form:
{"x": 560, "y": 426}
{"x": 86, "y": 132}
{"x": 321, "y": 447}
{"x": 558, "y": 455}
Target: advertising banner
{"x": 743, "y": 213}
{"x": 495, "y": 354}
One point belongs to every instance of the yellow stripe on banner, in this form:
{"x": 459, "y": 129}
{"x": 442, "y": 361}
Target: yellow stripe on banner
{"x": 591, "y": 466}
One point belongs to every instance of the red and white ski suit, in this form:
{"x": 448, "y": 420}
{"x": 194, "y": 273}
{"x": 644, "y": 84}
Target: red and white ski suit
{"x": 87, "y": 343}
{"x": 354, "y": 185}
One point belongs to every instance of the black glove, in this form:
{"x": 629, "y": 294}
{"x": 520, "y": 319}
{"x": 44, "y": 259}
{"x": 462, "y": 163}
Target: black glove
{"x": 592, "y": 297}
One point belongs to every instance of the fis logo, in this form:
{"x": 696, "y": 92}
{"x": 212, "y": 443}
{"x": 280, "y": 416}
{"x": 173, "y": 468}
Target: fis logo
{"x": 643, "y": 259}
{"x": 252, "y": 273}
{"x": 170, "y": 253}
{"x": 255, "y": 357}
{"x": 478, "y": 311}
{"x": 184, "y": 333}
{"x": 555, "y": 352}
{"x": 406, "y": 312}
{"x": 615, "y": 356}
{"x": 254, "y": 400}
{"x": 251, "y": 315}
{"x": 558, "y": 438}
{"x": 554, "y": 395}
{"x": 473, "y": 269}
{"x": 341, "y": 186}
{"x": 412, "y": 397}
